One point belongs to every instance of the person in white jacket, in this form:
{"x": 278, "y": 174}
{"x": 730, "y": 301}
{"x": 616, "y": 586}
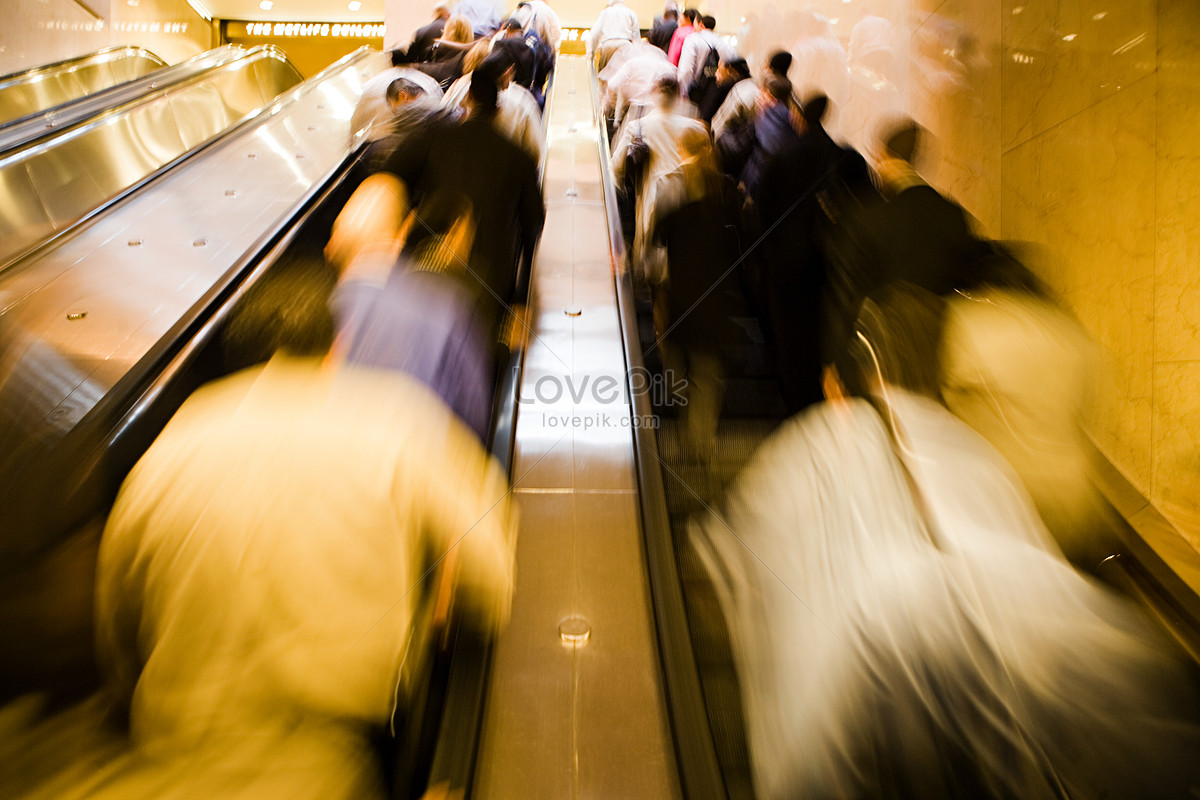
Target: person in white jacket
{"x": 903, "y": 624}
{"x": 694, "y": 56}
{"x": 662, "y": 128}
{"x": 615, "y": 28}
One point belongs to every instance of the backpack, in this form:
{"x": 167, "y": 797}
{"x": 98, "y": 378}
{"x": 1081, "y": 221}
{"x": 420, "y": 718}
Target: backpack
{"x": 707, "y": 78}
{"x": 543, "y": 58}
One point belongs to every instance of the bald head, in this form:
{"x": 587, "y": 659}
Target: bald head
{"x": 371, "y": 219}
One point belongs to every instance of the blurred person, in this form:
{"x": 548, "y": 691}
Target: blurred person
{"x": 741, "y": 104}
{"x": 902, "y": 624}
{"x": 633, "y": 83}
{"x": 916, "y": 235}
{"x": 499, "y": 178}
{"x": 686, "y": 27}
{"x": 484, "y": 15}
{"x": 402, "y": 302}
{"x": 664, "y": 27}
{"x": 1017, "y": 367}
{"x": 447, "y": 52}
{"x": 424, "y": 37}
{"x": 518, "y": 116}
{"x": 773, "y": 133}
{"x": 379, "y": 105}
{"x": 700, "y": 57}
{"x": 697, "y": 221}
{"x": 541, "y": 34}
{"x": 256, "y": 577}
{"x": 729, "y": 74}
{"x": 788, "y": 204}
{"x": 616, "y": 27}
{"x": 513, "y": 43}
{"x": 456, "y": 95}
{"x": 821, "y": 62}
{"x": 538, "y": 16}
{"x": 661, "y": 129}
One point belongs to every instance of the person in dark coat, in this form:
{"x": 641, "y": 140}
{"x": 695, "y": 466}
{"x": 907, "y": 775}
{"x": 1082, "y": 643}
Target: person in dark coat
{"x": 664, "y": 27}
{"x": 788, "y": 206}
{"x": 729, "y": 74}
{"x": 424, "y": 38}
{"x": 522, "y": 55}
{"x": 697, "y": 220}
{"x": 915, "y": 236}
{"x": 498, "y": 178}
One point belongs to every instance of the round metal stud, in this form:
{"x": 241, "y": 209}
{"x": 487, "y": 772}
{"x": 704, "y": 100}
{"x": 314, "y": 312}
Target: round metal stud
{"x": 573, "y": 311}
{"x": 135, "y": 242}
{"x": 575, "y": 631}
{"x": 76, "y": 315}
{"x": 200, "y": 242}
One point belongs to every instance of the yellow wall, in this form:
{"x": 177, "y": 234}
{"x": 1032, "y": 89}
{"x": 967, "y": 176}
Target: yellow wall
{"x": 37, "y": 32}
{"x": 309, "y": 54}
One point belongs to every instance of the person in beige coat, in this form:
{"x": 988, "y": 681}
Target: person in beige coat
{"x": 261, "y": 568}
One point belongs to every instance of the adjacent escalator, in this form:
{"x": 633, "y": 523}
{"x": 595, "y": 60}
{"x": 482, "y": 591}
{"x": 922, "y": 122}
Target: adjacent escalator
{"x": 51, "y": 185}
{"x": 34, "y": 90}
{"x": 21, "y": 131}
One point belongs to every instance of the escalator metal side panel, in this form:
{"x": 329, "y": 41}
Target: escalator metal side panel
{"x": 23, "y": 131}
{"x": 40, "y": 88}
{"x": 85, "y": 165}
{"x": 88, "y": 312}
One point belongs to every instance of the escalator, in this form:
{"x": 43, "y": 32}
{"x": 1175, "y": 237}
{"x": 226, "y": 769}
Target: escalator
{"x": 680, "y": 489}
{"x": 32, "y": 91}
{"x": 93, "y": 316}
{"x": 154, "y": 280}
{"x": 46, "y": 122}
{"x": 52, "y": 184}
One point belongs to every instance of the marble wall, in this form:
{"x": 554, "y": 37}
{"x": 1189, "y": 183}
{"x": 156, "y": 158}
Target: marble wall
{"x": 1099, "y": 163}
{"x": 39, "y": 32}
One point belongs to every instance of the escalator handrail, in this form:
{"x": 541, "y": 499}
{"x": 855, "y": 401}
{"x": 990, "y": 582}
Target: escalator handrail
{"x": 253, "y": 119}
{"x": 24, "y": 131}
{"x": 104, "y": 117}
{"x": 695, "y": 753}
{"x": 25, "y": 74}
{"x": 187, "y": 338}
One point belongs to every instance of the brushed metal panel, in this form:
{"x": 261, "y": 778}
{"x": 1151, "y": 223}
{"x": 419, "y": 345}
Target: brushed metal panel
{"x": 23, "y": 220}
{"x": 63, "y": 184}
{"x": 203, "y": 110}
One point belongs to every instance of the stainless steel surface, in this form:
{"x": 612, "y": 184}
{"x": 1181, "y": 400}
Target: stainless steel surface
{"x": 33, "y": 90}
{"x": 51, "y": 184}
{"x": 565, "y": 718}
{"x": 131, "y": 274}
{"x": 22, "y": 130}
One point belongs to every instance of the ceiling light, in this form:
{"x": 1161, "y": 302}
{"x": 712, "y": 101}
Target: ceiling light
{"x": 354, "y": 5}
{"x": 1070, "y": 37}
{"x": 1018, "y": 10}
{"x": 266, "y": 5}
{"x": 1100, "y": 16}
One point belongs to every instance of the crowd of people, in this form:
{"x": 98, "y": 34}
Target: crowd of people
{"x": 266, "y": 573}
{"x": 893, "y": 562}
{"x": 903, "y": 621}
